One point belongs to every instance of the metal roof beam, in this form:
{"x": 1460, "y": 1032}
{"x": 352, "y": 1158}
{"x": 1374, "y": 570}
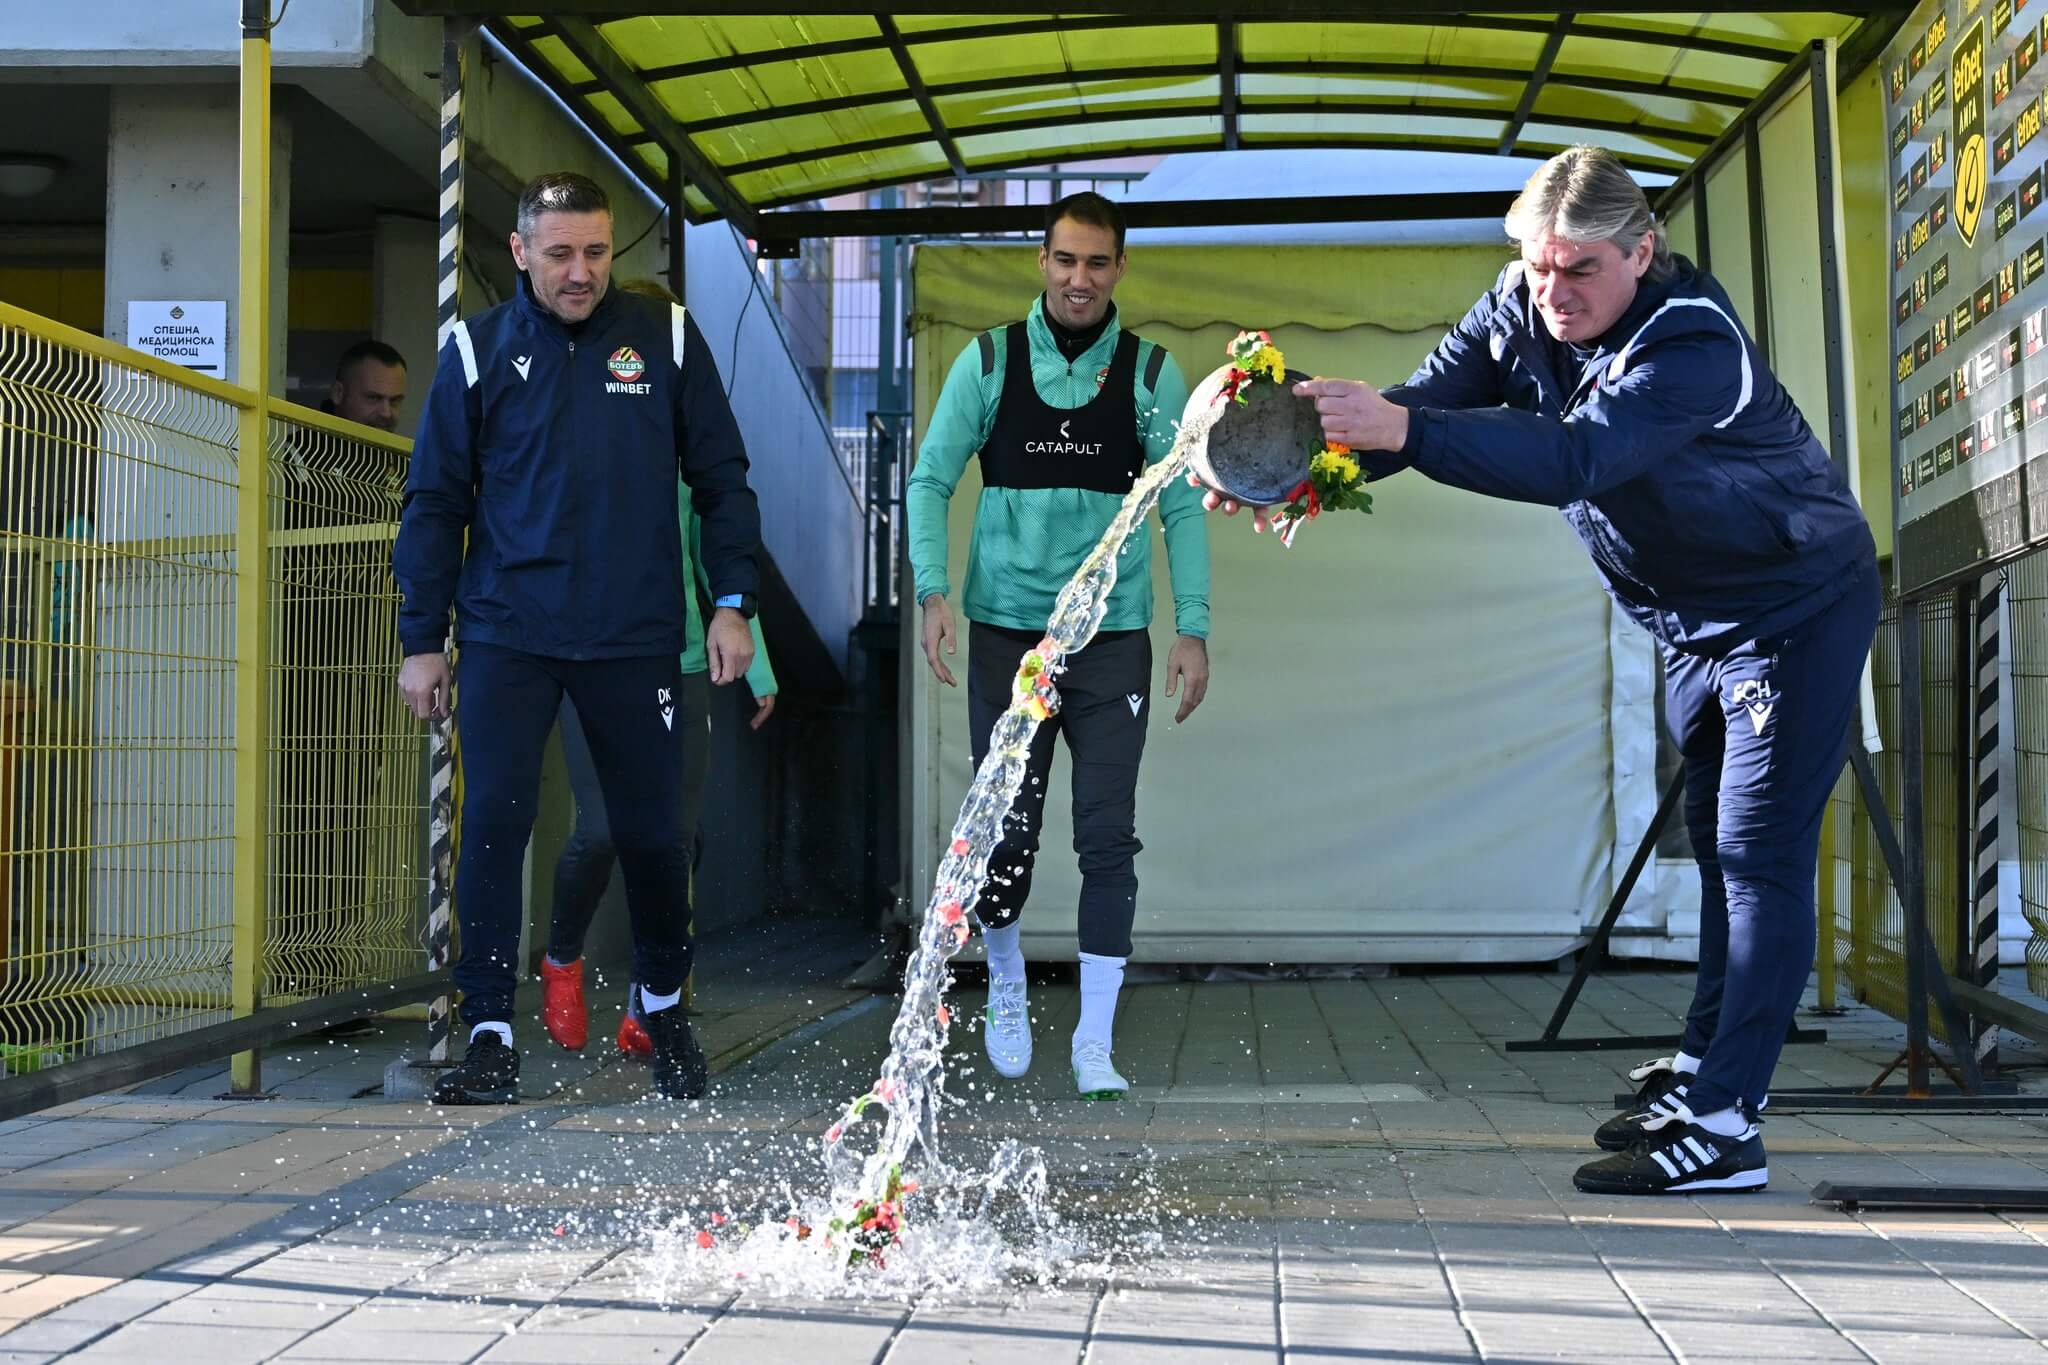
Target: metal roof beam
{"x": 1129, "y": 114}
{"x": 1608, "y": 85}
{"x": 625, "y": 149}
{"x": 838, "y": 103}
{"x": 1482, "y": 146}
{"x": 1184, "y": 9}
{"x": 590, "y": 47}
{"x": 1408, "y": 70}
{"x": 841, "y": 47}
{"x": 1226, "y": 82}
{"x": 915, "y": 83}
{"x": 1356, "y": 208}
{"x": 1537, "y": 75}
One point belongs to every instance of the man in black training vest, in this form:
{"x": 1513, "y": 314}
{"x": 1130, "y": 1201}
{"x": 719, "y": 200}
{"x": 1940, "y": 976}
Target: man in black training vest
{"x": 1065, "y": 409}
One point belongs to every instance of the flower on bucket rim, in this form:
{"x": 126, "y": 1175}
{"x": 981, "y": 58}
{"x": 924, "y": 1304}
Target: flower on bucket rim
{"x": 1252, "y": 354}
{"x": 1335, "y": 483}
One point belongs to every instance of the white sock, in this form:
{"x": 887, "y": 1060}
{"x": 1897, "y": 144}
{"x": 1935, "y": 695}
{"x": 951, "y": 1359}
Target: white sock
{"x": 650, "y": 1002}
{"x": 502, "y": 1030}
{"x": 1101, "y": 978}
{"x": 1729, "y": 1122}
{"x": 1005, "y": 948}
{"x": 1687, "y": 1063}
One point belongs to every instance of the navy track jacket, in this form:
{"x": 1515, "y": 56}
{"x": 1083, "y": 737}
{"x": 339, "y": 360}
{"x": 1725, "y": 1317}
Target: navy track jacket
{"x": 557, "y": 449}
{"x": 1710, "y": 509}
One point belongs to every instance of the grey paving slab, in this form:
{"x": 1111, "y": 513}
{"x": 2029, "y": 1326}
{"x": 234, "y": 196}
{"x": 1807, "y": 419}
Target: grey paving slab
{"x": 216, "y": 1344}
{"x": 1227, "y": 1310}
{"x": 341, "y": 1343}
{"x": 796, "y": 1331}
{"x": 1369, "y": 1288}
{"x": 54, "y": 1334}
{"x": 1034, "y": 1329}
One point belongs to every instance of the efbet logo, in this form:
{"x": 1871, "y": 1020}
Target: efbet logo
{"x": 1966, "y": 102}
{"x": 626, "y": 367}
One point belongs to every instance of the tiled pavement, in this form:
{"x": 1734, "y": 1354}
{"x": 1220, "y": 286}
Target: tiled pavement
{"x": 1360, "y": 1171}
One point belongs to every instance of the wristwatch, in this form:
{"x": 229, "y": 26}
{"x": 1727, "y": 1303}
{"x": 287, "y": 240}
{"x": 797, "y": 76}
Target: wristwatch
{"x": 741, "y": 602}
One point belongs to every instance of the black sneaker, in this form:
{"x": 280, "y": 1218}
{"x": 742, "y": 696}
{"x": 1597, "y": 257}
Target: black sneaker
{"x": 680, "y": 1070}
{"x": 1655, "y": 1079}
{"x": 489, "y": 1074}
{"x": 1674, "y": 1156}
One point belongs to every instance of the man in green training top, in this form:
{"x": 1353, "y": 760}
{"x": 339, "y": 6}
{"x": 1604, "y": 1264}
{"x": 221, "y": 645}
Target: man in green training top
{"x": 1065, "y": 409}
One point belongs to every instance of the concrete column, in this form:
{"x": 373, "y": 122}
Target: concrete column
{"x": 174, "y": 203}
{"x": 164, "y": 479}
{"x": 403, "y": 315}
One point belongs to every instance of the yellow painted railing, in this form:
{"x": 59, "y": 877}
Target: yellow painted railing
{"x": 126, "y": 913}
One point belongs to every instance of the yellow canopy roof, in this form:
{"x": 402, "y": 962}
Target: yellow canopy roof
{"x": 768, "y": 110}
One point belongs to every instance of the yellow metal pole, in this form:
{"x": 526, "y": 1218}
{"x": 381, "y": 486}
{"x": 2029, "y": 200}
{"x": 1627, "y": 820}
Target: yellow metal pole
{"x": 252, "y": 549}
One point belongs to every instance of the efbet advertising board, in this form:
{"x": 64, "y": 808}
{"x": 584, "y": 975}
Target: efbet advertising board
{"x": 1967, "y": 100}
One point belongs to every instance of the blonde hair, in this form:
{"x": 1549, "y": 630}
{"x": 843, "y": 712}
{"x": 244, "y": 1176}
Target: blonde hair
{"x": 1585, "y": 195}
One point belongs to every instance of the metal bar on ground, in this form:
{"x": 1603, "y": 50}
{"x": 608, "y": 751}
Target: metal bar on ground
{"x": 89, "y": 1076}
{"x": 1619, "y": 1041}
{"x": 1853, "y": 1195}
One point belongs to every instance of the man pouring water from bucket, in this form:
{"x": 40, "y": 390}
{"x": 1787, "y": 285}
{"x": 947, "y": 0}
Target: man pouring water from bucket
{"x": 1604, "y": 376}
{"x": 1065, "y": 409}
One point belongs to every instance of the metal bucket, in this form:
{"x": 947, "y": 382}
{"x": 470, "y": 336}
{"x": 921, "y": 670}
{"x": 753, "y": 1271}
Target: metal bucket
{"x": 1257, "y": 452}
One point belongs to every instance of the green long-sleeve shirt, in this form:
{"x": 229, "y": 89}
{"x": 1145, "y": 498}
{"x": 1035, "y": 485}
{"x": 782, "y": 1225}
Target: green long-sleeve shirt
{"x": 1029, "y": 541}
{"x": 760, "y": 674}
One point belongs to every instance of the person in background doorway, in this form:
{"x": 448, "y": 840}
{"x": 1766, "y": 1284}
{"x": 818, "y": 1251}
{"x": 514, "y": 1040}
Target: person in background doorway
{"x": 369, "y": 386}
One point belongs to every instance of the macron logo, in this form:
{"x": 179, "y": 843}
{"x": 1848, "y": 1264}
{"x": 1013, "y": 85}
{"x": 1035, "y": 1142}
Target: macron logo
{"x": 523, "y": 364}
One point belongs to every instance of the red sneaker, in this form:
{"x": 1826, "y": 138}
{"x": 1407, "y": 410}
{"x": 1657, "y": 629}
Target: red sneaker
{"x": 634, "y": 1040}
{"x": 562, "y": 1007}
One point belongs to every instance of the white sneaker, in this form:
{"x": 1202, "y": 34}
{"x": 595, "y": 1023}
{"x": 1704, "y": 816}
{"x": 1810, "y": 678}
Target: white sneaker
{"x": 1007, "y": 1030}
{"x": 1094, "y": 1077}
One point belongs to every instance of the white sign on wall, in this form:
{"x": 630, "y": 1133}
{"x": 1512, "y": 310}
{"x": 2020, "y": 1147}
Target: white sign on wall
{"x": 192, "y": 334}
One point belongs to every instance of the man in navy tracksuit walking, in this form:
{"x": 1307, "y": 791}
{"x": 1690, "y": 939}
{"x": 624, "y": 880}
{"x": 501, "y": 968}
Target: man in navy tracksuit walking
{"x": 553, "y": 436}
{"x": 1606, "y": 377}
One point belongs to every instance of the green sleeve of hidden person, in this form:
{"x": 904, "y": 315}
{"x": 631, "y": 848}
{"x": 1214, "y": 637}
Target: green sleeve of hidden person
{"x": 760, "y": 673}
{"x": 1028, "y": 541}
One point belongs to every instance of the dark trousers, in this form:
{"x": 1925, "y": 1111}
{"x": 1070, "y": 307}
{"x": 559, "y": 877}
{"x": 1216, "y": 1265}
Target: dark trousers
{"x": 1104, "y": 706}
{"x": 508, "y": 703}
{"x": 1764, "y": 733}
{"x": 585, "y": 868}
